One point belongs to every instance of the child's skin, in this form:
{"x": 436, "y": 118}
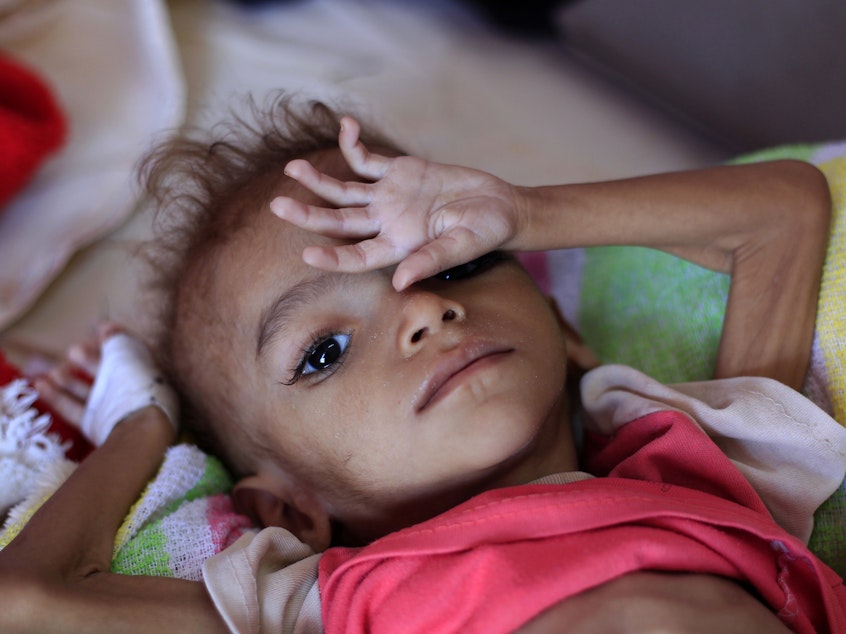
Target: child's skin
{"x": 391, "y": 418}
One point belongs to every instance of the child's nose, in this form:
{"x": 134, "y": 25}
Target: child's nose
{"x": 424, "y": 315}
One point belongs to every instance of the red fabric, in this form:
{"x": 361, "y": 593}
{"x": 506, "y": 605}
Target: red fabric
{"x": 32, "y": 125}
{"x": 80, "y": 447}
{"x": 495, "y": 562}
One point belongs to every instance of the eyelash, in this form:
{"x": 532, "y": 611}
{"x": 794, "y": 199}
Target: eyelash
{"x": 473, "y": 268}
{"x": 298, "y": 372}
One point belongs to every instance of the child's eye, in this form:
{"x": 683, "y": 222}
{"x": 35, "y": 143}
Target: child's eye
{"x": 473, "y": 267}
{"x": 325, "y": 354}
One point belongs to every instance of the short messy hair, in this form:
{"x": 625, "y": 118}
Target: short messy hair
{"x": 205, "y": 184}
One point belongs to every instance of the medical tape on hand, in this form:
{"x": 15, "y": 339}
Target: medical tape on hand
{"x": 127, "y": 381}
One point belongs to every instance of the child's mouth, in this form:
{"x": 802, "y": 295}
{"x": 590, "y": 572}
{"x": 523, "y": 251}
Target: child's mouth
{"x": 456, "y": 368}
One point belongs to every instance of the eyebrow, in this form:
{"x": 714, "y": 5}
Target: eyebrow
{"x": 275, "y": 318}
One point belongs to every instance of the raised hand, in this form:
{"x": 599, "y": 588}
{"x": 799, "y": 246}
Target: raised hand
{"x": 423, "y": 216}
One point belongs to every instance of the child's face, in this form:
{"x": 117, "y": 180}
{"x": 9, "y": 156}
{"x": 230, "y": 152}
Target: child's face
{"x": 414, "y": 400}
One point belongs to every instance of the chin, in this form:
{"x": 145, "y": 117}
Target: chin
{"x": 506, "y": 459}
{"x": 533, "y": 444}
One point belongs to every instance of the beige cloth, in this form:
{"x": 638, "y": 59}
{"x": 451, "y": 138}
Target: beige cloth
{"x": 791, "y": 451}
{"x": 266, "y": 582}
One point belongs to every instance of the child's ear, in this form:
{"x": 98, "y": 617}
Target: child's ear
{"x": 580, "y": 358}
{"x": 270, "y": 502}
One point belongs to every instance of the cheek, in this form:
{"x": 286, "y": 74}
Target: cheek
{"x": 544, "y": 342}
{"x": 331, "y": 426}
{"x": 528, "y": 312}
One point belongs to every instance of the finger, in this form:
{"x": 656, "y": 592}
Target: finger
{"x": 362, "y": 256}
{"x": 108, "y": 329}
{"x": 63, "y": 403}
{"x": 349, "y": 194}
{"x": 457, "y": 247}
{"x": 352, "y": 222}
{"x": 68, "y": 378}
{"x": 362, "y": 161}
{"x": 85, "y": 356}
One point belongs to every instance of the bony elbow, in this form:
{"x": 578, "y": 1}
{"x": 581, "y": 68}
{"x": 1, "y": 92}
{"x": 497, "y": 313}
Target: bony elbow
{"x": 804, "y": 197}
{"x": 819, "y": 193}
{"x": 812, "y": 183}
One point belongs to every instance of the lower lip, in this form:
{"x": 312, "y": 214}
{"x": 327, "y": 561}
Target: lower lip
{"x": 460, "y": 377}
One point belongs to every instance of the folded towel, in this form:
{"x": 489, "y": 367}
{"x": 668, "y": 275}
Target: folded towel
{"x": 183, "y": 517}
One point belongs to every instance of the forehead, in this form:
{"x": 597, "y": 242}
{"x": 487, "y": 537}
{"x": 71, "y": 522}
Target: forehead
{"x": 259, "y": 227}
{"x": 264, "y": 254}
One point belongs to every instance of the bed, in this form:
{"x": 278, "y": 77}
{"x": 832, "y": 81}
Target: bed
{"x": 526, "y": 109}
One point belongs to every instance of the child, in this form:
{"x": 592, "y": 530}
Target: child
{"x": 406, "y": 373}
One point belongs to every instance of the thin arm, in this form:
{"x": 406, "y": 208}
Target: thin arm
{"x": 55, "y": 577}
{"x": 766, "y": 224}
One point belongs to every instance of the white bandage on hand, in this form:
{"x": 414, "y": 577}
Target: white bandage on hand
{"x": 127, "y": 381}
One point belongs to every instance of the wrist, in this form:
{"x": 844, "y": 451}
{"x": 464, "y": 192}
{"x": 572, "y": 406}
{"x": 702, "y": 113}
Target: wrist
{"x": 150, "y": 421}
{"x": 545, "y": 217}
{"x": 528, "y": 216}
{"x": 127, "y": 382}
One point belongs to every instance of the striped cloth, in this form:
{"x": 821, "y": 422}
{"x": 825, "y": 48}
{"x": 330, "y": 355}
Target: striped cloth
{"x": 183, "y": 517}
